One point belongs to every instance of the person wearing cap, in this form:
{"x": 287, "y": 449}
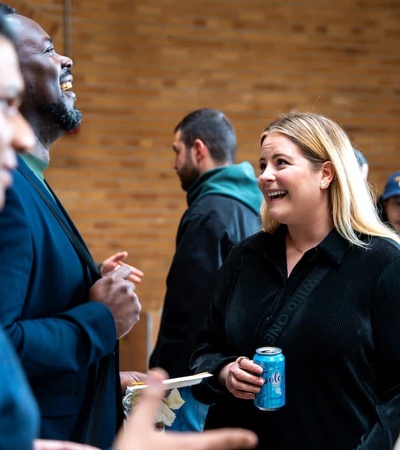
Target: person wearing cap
{"x": 362, "y": 163}
{"x": 390, "y": 201}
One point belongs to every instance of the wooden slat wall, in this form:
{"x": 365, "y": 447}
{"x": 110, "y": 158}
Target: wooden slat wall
{"x": 140, "y": 65}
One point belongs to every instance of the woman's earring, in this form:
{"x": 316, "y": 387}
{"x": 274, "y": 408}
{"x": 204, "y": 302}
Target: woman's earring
{"x": 323, "y": 185}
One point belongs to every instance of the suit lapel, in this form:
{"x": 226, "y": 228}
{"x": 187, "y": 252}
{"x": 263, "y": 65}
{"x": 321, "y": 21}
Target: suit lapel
{"x": 53, "y": 203}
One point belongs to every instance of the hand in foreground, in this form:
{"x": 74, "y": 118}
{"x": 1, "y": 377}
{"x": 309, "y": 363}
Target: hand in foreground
{"x": 128, "y": 378}
{"x": 46, "y": 444}
{"x": 115, "y": 291}
{"x": 139, "y": 434}
{"x": 242, "y": 378}
{"x": 116, "y": 260}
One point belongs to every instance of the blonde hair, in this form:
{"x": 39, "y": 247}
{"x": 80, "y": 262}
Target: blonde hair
{"x": 320, "y": 139}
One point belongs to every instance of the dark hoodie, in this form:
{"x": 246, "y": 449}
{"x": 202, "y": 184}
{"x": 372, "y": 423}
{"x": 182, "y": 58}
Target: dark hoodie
{"x": 223, "y": 208}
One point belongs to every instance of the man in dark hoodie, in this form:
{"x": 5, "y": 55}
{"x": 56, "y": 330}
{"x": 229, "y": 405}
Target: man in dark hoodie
{"x": 223, "y": 208}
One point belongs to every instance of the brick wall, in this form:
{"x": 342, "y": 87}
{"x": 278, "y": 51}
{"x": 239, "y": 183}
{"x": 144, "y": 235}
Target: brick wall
{"x": 141, "y": 65}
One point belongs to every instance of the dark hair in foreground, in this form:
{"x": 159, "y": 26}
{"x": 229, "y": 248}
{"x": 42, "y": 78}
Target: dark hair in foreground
{"x": 214, "y": 129}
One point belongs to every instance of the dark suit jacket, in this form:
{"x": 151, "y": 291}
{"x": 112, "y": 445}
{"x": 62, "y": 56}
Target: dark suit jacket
{"x": 19, "y": 416}
{"x": 58, "y": 334}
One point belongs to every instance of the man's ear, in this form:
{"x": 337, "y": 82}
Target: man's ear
{"x": 200, "y": 150}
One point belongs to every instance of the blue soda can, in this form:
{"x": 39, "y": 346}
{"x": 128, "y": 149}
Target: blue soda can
{"x": 272, "y": 393}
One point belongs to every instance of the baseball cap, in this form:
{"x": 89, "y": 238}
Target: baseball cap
{"x": 392, "y": 186}
{"x": 360, "y": 157}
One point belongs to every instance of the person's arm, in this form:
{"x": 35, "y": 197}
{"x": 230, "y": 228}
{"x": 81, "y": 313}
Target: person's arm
{"x": 212, "y": 352}
{"x": 201, "y": 248}
{"x": 386, "y": 320}
{"x": 191, "y": 279}
{"x": 49, "y": 444}
{"x": 139, "y": 433}
{"x": 19, "y": 418}
{"x": 44, "y": 298}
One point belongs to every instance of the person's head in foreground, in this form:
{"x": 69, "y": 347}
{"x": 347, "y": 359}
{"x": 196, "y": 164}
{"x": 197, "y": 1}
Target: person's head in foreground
{"x": 15, "y": 133}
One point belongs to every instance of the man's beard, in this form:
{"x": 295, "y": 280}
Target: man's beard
{"x": 68, "y": 118}
{"x": 188, "y": 174}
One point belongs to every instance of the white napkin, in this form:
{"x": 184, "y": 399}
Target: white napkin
{"x": 165, "y": 414}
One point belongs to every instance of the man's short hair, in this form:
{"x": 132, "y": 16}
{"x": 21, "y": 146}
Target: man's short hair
{"x": 214, "y": 129}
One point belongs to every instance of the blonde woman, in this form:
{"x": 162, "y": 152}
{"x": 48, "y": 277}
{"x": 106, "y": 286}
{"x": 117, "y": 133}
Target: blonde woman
{"x": 320, "y": 281}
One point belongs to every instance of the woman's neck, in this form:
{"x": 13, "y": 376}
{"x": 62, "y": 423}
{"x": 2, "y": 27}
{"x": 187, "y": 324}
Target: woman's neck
{"x": 302, "y": 238}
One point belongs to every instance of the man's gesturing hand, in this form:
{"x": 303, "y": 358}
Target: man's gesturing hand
{"x": 115, "y": 291}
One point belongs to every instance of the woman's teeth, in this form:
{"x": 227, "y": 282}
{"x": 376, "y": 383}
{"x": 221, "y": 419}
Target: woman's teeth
{"x": 277, "y": 194}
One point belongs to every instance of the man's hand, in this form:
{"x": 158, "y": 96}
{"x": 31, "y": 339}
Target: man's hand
{"x": 115, "y": 291}
{"x": 128, "y": 378}
{"x": 117, "y": 260}
{"x": 139, "y": 433}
